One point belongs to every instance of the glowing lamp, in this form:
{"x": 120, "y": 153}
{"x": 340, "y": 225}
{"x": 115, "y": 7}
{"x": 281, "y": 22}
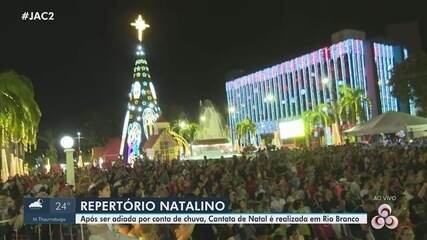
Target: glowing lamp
{"x": 63, "y": 166}
{"x": 325, "y": 80}
{"x": 67, "y": 142}
{"x": 325, "y": 109}
{"x": 269, "y": 98}
{"x": 101, "y": 162}
{"x": 182, "y": 124}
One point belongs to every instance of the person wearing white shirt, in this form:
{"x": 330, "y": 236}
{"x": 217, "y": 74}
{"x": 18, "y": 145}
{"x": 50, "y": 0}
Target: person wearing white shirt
{"x": 277, "y": 202}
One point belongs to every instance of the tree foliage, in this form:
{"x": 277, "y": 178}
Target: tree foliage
{"x": 409, "y": 79}
{"x": 351, "y": 104}
{"x": 349, "y": 108}
{"x": 50, "y": 140}
{"x": 19, "y": 112}
{"x": 245, "y": 128}
{"x": 185, "y": 129}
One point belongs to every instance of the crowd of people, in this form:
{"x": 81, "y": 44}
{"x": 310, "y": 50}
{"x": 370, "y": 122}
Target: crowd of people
{"x": 336, "y": 179}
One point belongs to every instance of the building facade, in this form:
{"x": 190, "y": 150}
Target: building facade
{"x": 284, "y": 91}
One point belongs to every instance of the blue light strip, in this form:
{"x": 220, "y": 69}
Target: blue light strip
{"x": 280, "y": 92}
{"x": 276, "y": 89}
{"x": 260, "y": 98}
{"x": 353, "y": 67}
{"x": 380, "y": 77}
{"x": 350, "y": 64}
{"x": 253, "y": 107}
{"x": 296, "y": 91}
{"x": 361, "y": 54}
{"x": 305, "y": 73}
{"x": 312, "y": 83}
{"x": 321, "y": 76}
{"x": 299, "y": 85}
{"x": 285, "y": 91}
{"x": 289, "y": 91}
{"x": 334, "y": 79}
{"x": 347, "y": 52}
{"x": 393, "y": 100}
{"x": 357, "y": 68}
{"x": 266, "y": 96}
{"x": 385, "y": 70}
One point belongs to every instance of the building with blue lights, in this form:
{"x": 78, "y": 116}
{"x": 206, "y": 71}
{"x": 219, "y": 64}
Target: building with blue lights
{"x": 284, "y": 91}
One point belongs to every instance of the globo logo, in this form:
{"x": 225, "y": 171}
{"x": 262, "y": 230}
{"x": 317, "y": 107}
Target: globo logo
{"x": 384, "y": 218}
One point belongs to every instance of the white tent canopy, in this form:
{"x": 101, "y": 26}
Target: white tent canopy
{"x": 389, "y": 122}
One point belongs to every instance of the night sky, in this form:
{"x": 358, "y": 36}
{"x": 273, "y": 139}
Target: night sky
{"x": 83, "y": 60}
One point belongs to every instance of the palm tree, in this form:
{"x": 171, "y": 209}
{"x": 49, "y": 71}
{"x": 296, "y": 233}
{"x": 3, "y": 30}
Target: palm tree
{"x": 185, "y": 129}
{"x": 308, "y": 119}
{"x": 351, "y": 102}
{"x": 323, "y": 114}
{"x": 19, "y": 114}
{"x": 349, "y": 106}
{"x": 319, "y": 115}
{"x": 48, "y": 137}
{"x": 336, "y": 110}
{"x": 245, "y": 128}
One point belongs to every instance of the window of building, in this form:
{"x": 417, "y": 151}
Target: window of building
{"x": 165, "y": 149}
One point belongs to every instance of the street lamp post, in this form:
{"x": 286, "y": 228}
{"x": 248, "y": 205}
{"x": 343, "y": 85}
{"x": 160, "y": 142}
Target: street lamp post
{"x": 78, "y": 141}
{"x": 67, "y": 143}
{"x": 79, "y": 156}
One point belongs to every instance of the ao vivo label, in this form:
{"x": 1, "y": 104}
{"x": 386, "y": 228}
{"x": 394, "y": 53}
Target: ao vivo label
{"x": 385, "y": 198}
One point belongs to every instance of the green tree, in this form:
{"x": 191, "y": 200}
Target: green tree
{"x": 336, "y": 122}
{"x": 409, "y": 78}
{"x": 245, "y": 128}
{"x": 351, "y": 104}
{"x": 19, "y": 114}
{"x": 48, "y": 137}
{"x": 185, "y": 129}
{"x": 322, "y": 114}
{"x": 349, "y": 108}
{"x": 308, "y": 119}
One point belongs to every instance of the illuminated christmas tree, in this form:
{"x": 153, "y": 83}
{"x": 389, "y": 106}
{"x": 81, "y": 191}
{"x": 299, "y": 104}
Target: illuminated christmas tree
{"x": 142, "y": 110}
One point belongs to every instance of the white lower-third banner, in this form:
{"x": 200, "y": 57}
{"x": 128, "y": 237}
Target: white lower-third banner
{"x": 222, "y": 218}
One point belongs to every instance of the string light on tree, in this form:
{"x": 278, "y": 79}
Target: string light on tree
{"x": 143, "y": 109}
